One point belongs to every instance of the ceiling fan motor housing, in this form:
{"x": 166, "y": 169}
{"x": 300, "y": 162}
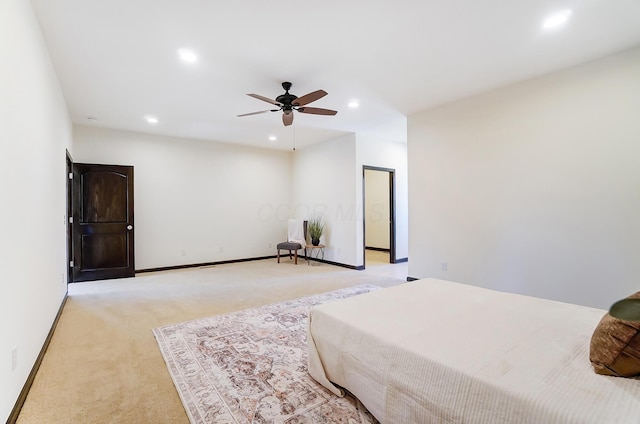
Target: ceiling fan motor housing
{"x": 286, "y": 99}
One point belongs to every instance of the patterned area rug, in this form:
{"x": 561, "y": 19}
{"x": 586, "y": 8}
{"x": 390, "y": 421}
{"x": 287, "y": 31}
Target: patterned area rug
{"x": 251, "y": 366}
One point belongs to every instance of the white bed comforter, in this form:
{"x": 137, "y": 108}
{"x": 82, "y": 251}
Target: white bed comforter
{"x": 433, "y": 351}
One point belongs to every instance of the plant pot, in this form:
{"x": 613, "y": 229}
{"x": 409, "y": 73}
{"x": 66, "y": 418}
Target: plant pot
{"x": 315, "y": 242}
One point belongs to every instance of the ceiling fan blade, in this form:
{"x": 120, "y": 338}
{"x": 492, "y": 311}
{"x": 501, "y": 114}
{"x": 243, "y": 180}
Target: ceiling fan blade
{"x": 265, "y": 99}
{"x": 308, "y": 98}
{"x": 287, "y": 119}
{"x": 254, "y": 113}
{"x": 317, "y": 111}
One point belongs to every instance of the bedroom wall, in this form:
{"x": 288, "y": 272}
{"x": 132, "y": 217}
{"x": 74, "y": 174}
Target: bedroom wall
{"x": 373, "y": 151}
{"x": 324, "y": 184}
{"x": 195, "y": 201}
{"x": 533, "y": 188}
{"x": 35, "y": 132}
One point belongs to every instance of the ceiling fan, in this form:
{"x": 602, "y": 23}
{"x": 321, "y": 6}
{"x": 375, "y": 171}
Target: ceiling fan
{"x": 288, "y": 102}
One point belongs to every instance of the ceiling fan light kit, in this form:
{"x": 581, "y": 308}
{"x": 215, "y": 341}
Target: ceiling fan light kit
{"x": 287, "y": 103}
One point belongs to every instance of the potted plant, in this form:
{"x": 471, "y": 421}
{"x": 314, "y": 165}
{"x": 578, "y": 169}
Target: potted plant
{"x": 316, "y": 228}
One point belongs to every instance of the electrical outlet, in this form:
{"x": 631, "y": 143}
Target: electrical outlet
{"x": 183, "y": 252}
{"x": 14, "y": 358}
{"x": 222, "y": 250}
{"x": 443, "y": 266}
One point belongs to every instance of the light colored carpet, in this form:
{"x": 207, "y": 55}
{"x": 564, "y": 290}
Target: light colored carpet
{"x": 103, "y": 364}
{"x": 250, "y": 366}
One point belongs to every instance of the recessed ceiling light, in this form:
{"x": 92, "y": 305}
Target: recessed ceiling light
{"x": 557, "y": 19}
{"x": 187, "y": 55}
{"x": 151, "y": 119}
{"x": 353, "y": 104}
{"x": 272, "y": 138}
{"x": 92, "y": 118}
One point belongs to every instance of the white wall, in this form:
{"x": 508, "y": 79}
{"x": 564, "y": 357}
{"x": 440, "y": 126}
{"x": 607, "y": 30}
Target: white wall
{"x": 195, "y": 201}
{"x": 533, "y": 188}
{"x": 324, "y": 185}
{"x": 35, "y": 132}
{"x": 381, "y": 153}
{"x": 376, "y": 209}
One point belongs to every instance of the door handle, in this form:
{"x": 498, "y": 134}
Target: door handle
{"x": 129, "y": 227}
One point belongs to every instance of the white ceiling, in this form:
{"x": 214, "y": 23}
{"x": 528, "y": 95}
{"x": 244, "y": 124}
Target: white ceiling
{"x": 117, "y": 60}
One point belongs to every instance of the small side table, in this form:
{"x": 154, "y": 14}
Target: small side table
{"x": 315, "y": 252}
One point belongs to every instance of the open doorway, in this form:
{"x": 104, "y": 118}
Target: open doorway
{"x": 379, "y": 220}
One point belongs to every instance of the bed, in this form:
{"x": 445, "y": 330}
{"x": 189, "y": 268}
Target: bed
{"x": 435, "y": 351}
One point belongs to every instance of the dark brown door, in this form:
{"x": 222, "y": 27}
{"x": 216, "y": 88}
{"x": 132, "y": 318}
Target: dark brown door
{"x": 102, "y": 222}
{"x": 69, "y": 179}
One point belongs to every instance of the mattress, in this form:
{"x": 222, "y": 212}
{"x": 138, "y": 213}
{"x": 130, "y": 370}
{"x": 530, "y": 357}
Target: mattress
{"x": 435, "y": 351}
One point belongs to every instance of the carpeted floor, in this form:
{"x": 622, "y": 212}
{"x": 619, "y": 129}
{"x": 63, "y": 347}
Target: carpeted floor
{"x": 103, "y": 364}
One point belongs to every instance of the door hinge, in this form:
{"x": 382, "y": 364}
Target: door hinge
{"x": 70, "y": 264}
{"x": 70, "y": 220}
{"x": 71, "y": 175}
